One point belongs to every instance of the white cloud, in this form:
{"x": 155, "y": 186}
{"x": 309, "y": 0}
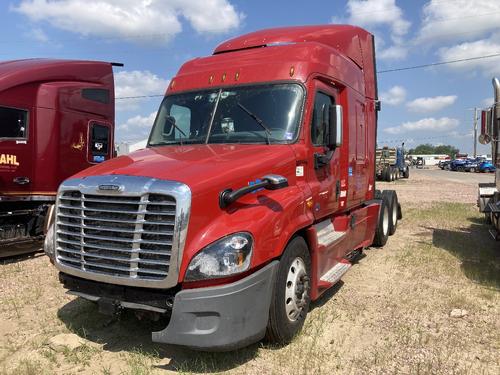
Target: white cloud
{"x": 433, "y": 104}
{"x": 458, "y": 20}
{"x": 378, "y": 12}
{"x": 394, "y": 52}
{"x": 136, "y": 128}
{"x": 488, "y": 102}
{"x": 374, "y": 13}
{"x": 427, "y": 124}
{"x": 147, "y": 19}
{"x": 137, "y": 83}
{"x": 484, "y": 47}
{"x": 394, "y": 96}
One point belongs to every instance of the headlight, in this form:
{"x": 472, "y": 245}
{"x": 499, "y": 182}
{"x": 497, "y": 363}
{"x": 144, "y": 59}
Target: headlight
{"x": 228, "y": 256}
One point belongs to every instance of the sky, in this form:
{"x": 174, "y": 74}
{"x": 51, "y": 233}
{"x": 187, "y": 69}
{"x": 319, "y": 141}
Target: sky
{"x": 152, "y": 38}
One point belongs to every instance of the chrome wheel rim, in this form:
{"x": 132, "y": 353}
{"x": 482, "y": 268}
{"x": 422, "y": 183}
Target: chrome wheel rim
{"x": 296, "y": 289}
{"x": 385, "y": 221}
{"x": 394, "y": 214}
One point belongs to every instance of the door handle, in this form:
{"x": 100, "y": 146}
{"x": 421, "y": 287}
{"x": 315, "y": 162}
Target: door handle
{"x": 21, "y": 180}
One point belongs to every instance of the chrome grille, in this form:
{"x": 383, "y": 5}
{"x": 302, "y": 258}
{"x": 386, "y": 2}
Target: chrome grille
{"x": 116, "y": 235}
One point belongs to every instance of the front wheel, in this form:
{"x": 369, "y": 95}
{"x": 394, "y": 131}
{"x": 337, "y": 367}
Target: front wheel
{"x": 406, "y": 173}
{"x": 291, "y": 295}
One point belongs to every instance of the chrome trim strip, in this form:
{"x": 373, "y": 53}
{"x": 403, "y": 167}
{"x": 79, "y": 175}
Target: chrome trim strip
{"x": 134, "y": 186}
{"x": 27, "y": 198}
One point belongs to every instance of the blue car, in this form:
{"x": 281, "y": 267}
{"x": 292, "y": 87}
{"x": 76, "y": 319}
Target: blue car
{"x": 486, "y": 166}
{"x": 458, "y": 165}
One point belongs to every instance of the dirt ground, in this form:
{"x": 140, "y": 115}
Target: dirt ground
{"x": 389, "y": 315}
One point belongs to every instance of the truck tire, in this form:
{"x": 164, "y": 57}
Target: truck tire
{"x": 392, "y": 199}
{"x": 382, "y": 230}
{"x": 291, "y": 294}
{"x": 391, "y": 173}
{"x": 386, "y": 173}
{"x": 406, "y": 173}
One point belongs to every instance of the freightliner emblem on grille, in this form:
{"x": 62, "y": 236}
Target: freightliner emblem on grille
{"x": 111, "y": 187}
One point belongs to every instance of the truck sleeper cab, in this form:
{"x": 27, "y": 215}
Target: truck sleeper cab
{"x": 56, "y": 118}
{"x": 253, "y": 197}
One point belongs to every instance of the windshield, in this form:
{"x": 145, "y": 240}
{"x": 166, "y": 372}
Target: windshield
{"x": 257, "y": 114}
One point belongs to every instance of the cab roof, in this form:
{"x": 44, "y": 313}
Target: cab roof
{"x": 18, "y": 72}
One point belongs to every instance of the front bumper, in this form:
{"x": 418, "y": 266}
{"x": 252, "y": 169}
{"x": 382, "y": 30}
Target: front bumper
{"x": 216, "y": 318}
{"x": 224, "y": 317}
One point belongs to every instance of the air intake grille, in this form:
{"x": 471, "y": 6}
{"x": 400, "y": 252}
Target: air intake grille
{"x": 115, "y": 235}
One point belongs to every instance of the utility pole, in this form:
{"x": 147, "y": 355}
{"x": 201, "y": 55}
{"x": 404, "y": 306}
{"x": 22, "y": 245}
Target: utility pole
{"x": 475, "y": 132}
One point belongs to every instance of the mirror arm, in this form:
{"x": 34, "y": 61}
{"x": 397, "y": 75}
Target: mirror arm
{"x": 269, "y": 182}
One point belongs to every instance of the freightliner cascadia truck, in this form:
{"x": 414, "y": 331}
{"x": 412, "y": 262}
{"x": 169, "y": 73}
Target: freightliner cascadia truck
{"x": 254, "y": 195}
{"x": 489, "y": 193}
{"x": 56, "y": 118}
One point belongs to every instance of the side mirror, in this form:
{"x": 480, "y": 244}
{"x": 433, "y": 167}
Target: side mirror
{"x": 335, "y": 127}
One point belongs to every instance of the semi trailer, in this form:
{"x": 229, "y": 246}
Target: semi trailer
{"x": 56, "y": 118}
{"x": 391, "y": 164}
{"x": 489, "y": 193}
{"x": 254, "y": 195}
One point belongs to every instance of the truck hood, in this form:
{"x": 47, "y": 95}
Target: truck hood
{"x": 203, "y": 167}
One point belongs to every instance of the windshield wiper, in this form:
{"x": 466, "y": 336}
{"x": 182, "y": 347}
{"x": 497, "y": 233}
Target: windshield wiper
{"x": 171, "y": 120}
{"x": 258, "y": 120}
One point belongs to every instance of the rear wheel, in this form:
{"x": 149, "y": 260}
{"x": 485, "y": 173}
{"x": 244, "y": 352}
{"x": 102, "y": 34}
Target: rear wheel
{"x": 291, "y": 294}
{"x": 387, "y": 174}
{"x": 392, "y": 199}
{"x": 382, "y": 230}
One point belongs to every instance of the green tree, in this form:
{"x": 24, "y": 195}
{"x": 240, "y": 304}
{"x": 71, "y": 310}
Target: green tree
{"x": 428, "y": 149}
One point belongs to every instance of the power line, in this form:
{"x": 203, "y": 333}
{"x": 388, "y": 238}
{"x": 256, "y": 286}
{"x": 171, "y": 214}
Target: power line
{"x": 438, "y": 63}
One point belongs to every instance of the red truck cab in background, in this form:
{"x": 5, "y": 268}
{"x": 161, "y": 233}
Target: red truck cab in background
{"x": 255, "y": 193}
{"x": 56, "y": 118}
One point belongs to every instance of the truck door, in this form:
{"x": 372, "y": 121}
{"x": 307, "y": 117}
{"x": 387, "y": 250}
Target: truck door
{"x": 16, "y": 150}
{"x": 324, "y": 182}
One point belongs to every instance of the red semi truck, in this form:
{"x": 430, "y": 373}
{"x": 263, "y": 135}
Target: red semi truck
{"x": 255, "y": 194}
{"x": 56, "y": 118}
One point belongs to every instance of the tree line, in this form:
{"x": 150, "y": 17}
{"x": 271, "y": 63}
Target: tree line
{"x": 428, "y": 149}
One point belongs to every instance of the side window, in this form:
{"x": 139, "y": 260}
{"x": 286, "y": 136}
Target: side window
{"x": 320, "y": 118}
{"x": 182, "y": 116}
{"x": 96, "y": 95}
{"x": 13, "y": 123}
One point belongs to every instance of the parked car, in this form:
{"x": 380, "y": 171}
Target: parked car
{"x": 458, "y": 165}
{"x": 445, "y": 164}
{"x": 486, "y": 166}
{"x": 471, "y": 166}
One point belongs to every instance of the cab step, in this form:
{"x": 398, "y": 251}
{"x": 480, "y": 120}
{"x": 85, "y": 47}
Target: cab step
{"x": 336, "y": 272}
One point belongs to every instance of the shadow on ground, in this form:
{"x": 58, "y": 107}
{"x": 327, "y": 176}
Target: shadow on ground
{"x": 477, "y": 250}
{"x": 15, "y": 254}
{"x": 128, "y": 333}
